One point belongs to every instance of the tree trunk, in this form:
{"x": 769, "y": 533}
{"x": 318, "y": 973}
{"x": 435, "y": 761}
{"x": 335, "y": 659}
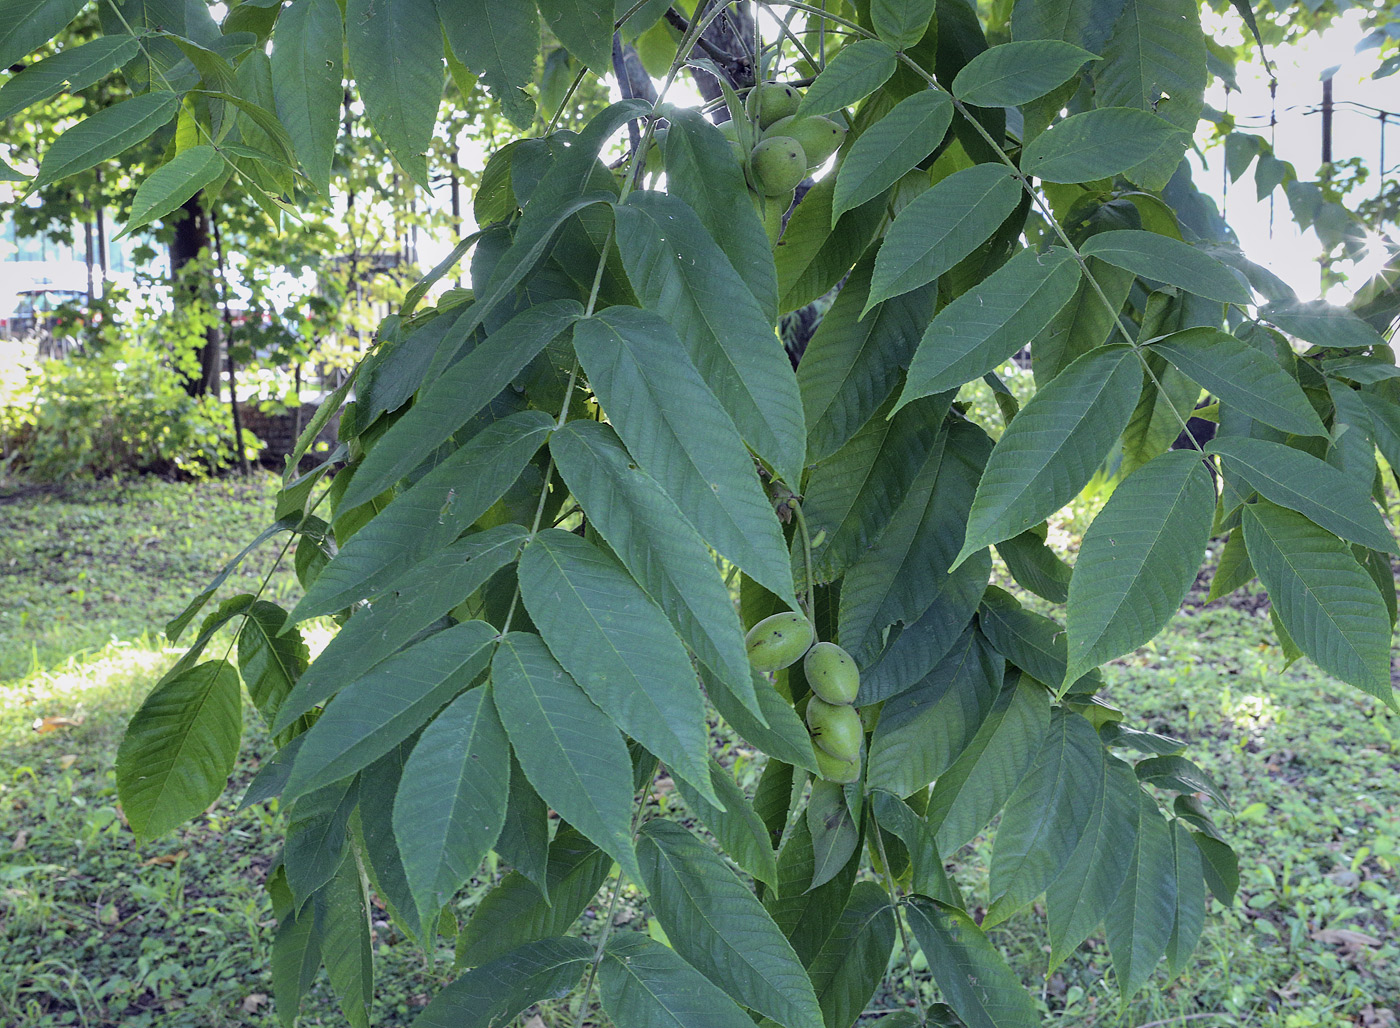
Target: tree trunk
{"x": 191, "y": 240}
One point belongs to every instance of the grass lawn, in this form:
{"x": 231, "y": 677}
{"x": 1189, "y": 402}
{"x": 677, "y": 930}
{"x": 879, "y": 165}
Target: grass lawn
{"x": 96, "y": 930}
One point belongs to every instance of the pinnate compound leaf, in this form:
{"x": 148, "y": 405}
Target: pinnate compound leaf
{"x": 901, "y": 23}
{"x": 643, "y": 984}
{"x": 306, "y": 82}
{"x": 516, "y": 912}
{"x": 1096, "y": 144}
{"x": 1015, "y": 73}
{"x": 428, "y": 515}
{"x": 1168, "y": 260}
{"x": 888, "y": 149}
{"x": 180, "y": 747}
{"x": 972, "y": 975}
{"x": 654, "y": 541}
{"x": 942, "y": 226}
{"x": 620, "y": 649}
{"x": 457, "y": 396}
{"x": 572, "y": 754}
{"x": 342, "y": 929}
{"x": 1047, "y": 815}
{"x": 73, "y": 68}
{"x": 585, "y": 28}
{"x": 29, "y": 24}
{"x": 1241, "y": 375}
{"x": 813, "y": 255}
{"x": 105, "y": 134}
{"x": 979, "y": 330}
{"x": 396, "y": 56}
{"x": 1138, "y": 558}
{"x": 1190, "y": 912}
{"x": 1324, "y": 598}
{"x": 451, "y": 801}
{"x": 680, "y": 273}
{"x": 269, "y": 660}
{"x": 375, "y": 712}
{"x": 1139, "y": 920}
{"x": 856, "y": 71}
{"x": 737, "y": 826}
{"x": 1322, "y": 324}
{"x": 172, "y": 184}
{"x": 1314, "y": 488}
{"x": 493, "y": 994}
{"x": 716, "y": 925}
{"x": 1054, "y": 446}
{"x": 499, "y": 42}
{"x": 676, "y": 429}
{"x": 852, "y": 961}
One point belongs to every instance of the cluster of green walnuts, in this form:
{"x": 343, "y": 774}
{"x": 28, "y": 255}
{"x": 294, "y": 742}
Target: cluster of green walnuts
{"x": 780, "y": 641}
{"x": 776, "y": 148}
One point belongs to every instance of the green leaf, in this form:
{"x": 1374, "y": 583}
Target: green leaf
{"x": 1096, "y": 144}
{"x": 396, "y": 56}
{"x": 680, "y": 273}
{"x": 737, "y": 827}
{"x": 701, "y": 170}
{"x": 1233, "y": 569}
{"x": 835, "y": 837}
{"x": 269, "y": 660}
{"x": 1032, "y": 642}
{"x": 1173, "y": 771}
{"x": 970, "y": 972}
{"x": 179, "y": 748}
{"x": 170, "y": 185}
{"x": 1054, "y": 446}
{"x": 500, "y": 43}
{"x": 969, "y": 794}
{"x": 1320, "y": 323}
{"x": 425, "y": 593}
{"x": 981, "y": 329}
{"x": 620, "y": 649}
{"x": 677, "y": 430}
{"x": 316, "y": 833}
{"x": 650, "y": 536}
{"x": 1190, "y": 912}
{"x": 856, "y": 71}
{"x": 1138, "y": 558}
{"x": 805, "y": 915}
{"x": 1168, "y": 397}
{"x": 901, "y": 23}
{"x": 572, "y": 754}
{"x": 1086, "y": 23}
{"x": 851, "y": 496}
{"x": 105, "y": 134}
{"x": 72, "y": 68}
{"x": 1035, "y": 566}
{"x": 1046, "y": 815}
{"x": 491, "y": 995}
{"x": 926, "y": 872}
{"x": 451, "y": 801}
{"x": 429, "y": 515}
{"x": 780, "y": 733}
{"x": 923, "y": 730}
{"x": 940, "y": 227}
{"x": 524, "y": 839}
{"x": 1015, "y": 73}
{"x": 295, "y": 959}
{"x": 852, "y": 362}
{"x": 1139, "y": 920}
{"x": 306, "y": 82}
{"x": 813, "y": 255}
{"x": 29, "y": 24}
{"x": 342, "y": 929}
{"x": 1220, "y": 866}
{"x": 1082, "y": 324}
{"x": 1164, "y": 259}
{"x": 586, "y": 29}
{"x": 888, "y": 149}
{"x": 381, "y": 708}
{"x": 1312, "y": 487}
{"x": 716, "y": 925}
{"x": 1076, "y": 900}
{"x": 643, "y": 983}
{"x": 383, "y": 858}
{"x": 458, "y": 395}
{"x": 1242, "y": 375}
{"x": 852, "y": 961}
{"x": 516, "y": 912}
{"x": 1324, "y": 598}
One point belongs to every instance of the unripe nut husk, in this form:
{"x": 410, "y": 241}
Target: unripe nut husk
{"x": 819, "y": 137}
{"x": 778, "y": 164}
{"x": 843, "y": 772}
{"x": 832, "y": 673}
{"x": 779, "y": 641}
{"x": 835, "y": 728}
{"x": 769, "y": 101}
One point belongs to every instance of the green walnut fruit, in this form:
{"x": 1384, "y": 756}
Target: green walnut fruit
{"x": 778, "y": 164}
{"x": 844, "y": 772}
{"x": 831, "y": 672}
{"x": 779, "y": 641}
{"x": 835, "y": 728}
{"x": 769, "y": 101}
{"x": 819, "y": 137}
